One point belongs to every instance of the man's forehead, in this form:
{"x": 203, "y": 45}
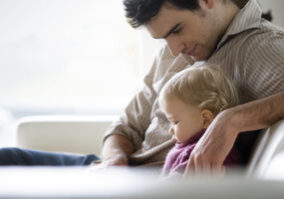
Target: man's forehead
{"x": 160, "y": 25}
{"x": 154, "y": 34}
{"x": 167, "y": 18}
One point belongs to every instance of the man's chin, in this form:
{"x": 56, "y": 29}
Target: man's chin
{"x": 197, "y": 56}
{"x": 200, "y": 57}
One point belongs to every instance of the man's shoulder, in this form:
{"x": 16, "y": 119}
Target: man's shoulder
{"x": 269, "y": 27}
{"x": 265, "y": 32}
{"x": 266, "y": 35}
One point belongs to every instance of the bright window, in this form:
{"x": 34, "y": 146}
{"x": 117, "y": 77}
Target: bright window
{"x": 75, "y": 55}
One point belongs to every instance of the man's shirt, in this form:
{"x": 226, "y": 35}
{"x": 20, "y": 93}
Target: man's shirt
{"x": 251, "y": 53}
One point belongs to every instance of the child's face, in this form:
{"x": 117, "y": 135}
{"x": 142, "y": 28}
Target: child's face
{"x": 185, "y": 119}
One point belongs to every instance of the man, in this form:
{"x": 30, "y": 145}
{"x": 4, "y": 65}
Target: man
{"x": 247, "y": 48}
{"x": 228, "y": 33}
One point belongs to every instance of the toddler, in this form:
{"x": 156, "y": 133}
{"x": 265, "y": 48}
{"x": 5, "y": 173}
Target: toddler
{"x": 191, "y": 100}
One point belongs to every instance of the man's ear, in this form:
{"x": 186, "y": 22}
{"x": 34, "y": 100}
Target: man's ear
{"x": 207, "y": 117}
{"x": 206, "y": 4}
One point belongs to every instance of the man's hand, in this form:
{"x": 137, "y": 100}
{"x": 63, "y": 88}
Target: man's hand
{"x": 117, "y": 160}
{"x": 212, "y": 149}
{"x": 115, "y": 152}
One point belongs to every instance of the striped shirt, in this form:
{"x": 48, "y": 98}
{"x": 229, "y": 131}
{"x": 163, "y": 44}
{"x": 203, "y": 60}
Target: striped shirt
{"x": 251, "y": 53}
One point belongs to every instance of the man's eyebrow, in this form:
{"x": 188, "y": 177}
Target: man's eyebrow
{"x": 171, "y": 30}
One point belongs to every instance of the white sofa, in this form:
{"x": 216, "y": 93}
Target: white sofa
{"x": 81, "y": 134}
{"x": 269, "y": 148}
{"x": 71, "y": 134}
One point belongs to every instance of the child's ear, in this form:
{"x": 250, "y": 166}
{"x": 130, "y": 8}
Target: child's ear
{"x": 207, "y": 117}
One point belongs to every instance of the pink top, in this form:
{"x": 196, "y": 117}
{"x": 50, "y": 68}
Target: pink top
{"x": 178, "y": 156}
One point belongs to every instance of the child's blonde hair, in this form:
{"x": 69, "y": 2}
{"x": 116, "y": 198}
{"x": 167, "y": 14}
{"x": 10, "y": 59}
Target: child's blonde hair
{"x": 206, "y": 87}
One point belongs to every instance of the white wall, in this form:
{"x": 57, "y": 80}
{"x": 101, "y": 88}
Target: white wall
{"x": 276, "y": 6}
{"x": 67, "y": 53}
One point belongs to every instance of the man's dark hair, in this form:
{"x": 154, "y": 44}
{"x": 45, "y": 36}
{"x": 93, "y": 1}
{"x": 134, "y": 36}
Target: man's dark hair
{"x": 140, "y": 12}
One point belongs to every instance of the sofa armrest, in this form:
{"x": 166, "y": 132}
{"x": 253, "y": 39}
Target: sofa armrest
{"x": 269, "y": 145}
{"x": 73, "y": 134}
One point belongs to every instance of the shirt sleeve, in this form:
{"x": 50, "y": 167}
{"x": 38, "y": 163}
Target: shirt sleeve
{"x": 264, "y": 62}
{"x": 137, "y": 115}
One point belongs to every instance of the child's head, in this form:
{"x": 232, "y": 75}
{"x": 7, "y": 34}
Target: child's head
{"x": 193, "y": 97}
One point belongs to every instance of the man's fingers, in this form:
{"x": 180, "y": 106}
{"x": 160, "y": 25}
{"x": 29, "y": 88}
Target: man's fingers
{"x": 197, "y": 165}
{"x": 216, "y": 167}
{"x": 189, "y": 169}
{"x": 202, "y": 166}
{"x": 218, "y": 170}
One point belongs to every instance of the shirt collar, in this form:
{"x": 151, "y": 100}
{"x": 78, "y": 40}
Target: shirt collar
{"x": 248, "y": 17}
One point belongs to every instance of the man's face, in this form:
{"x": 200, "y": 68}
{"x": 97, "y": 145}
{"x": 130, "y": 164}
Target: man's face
{"x": 194, "y": 33}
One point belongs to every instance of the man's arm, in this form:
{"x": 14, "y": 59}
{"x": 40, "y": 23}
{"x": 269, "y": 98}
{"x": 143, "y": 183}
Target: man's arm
{"x": 212, "y": 149}
{"x": 260, "y": 113}
{"x": 127, "y": 134}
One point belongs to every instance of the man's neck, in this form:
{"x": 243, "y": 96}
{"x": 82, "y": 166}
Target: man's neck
{"x": 228, "y": 14}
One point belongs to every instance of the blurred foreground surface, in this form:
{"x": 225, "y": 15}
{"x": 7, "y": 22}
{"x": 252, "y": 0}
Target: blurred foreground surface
{"x": 73, "y": 182}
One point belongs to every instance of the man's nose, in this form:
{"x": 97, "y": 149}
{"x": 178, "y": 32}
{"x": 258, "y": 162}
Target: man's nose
{"x": 174, "y": 46}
